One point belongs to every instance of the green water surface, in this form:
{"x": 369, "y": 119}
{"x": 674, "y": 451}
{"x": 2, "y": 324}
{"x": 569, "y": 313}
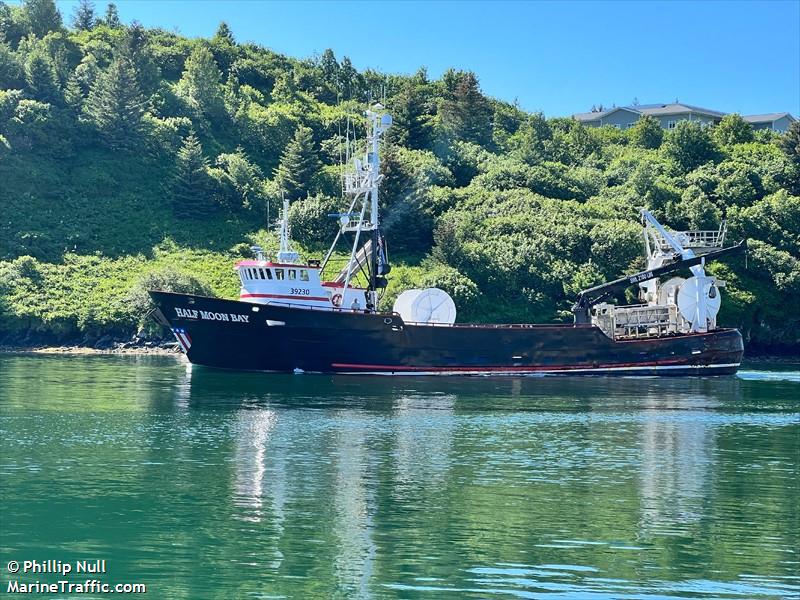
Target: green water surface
{"x": 209, "y": 484}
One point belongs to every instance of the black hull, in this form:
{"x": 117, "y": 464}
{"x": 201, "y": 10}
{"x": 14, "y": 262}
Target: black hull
{"x": 232, "y": 334}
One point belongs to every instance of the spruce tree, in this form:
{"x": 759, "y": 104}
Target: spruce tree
{"x": 135, "y": 47}
{"x": 84, "y": 18}
{"x": 115, "y": 104}
{"x": 73, "y": 94}
{"x": 42, "y": 16}
{"x": 40, "y": 77}
{"x": 191, "y": 189}
{"x": 467, "y": 115}
{"x": 299, "y": 165}
{"x": 411, "y": 127}
{"x": 112, "y": 16}
{"x": 224, "y": 34}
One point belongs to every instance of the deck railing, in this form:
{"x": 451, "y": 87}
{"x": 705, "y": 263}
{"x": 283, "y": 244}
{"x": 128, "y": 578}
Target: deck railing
{"x": 694, "y": 239}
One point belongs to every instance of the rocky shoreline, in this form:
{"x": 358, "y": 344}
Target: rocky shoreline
{"x": 102, "y": 345}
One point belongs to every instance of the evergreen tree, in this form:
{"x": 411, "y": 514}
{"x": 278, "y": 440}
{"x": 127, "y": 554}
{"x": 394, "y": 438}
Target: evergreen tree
{"x": 330, "y": 67}
{"x": 231, "y": 96}
{"x": 135, "y": 47}
{"x": 411, "y": 127}
{"x": 40, "y": 77}
{"x": 200, "y": 83}
{"x": 73, "y": 94}
{"x": 11, "y": 31}
{"x": 115, "y": 104}
{"x": 647, "y": 133}
{"x": 467, "y": 115}
{"x": 223, "y": 45}
{"x": 112, "y": 16}
{"x": 42, "y": 16}
{"x": 84, "y": 18}
{"x": 350, "y": 84}
{"x": 191, "y": 189}
{"x": 224, "y": 34}
{"x": 733, "y": 129}
{"x": 299, "y": 165}
{"x": 11, "y": 72}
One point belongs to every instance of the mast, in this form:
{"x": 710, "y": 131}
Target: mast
{"x": 363, "y": 184}
{"x": 285, "y": 252}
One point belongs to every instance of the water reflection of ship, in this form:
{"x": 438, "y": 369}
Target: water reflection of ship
{"x": 678, "y": 443}
{"x": 266, "y": 477}
{"x": 259, "y": 473}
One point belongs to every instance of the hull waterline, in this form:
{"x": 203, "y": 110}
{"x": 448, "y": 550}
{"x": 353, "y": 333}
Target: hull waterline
{"x": 233, "y": 334}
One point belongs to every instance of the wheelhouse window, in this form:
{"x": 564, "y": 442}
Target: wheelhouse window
{"x": 268, "y": 273}
{"x": 303, "y": 275}
{"x": 278, "y": 273}
{"x": 292, "y": 274}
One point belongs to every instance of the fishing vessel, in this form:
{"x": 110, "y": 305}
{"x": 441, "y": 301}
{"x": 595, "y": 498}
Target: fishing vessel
{"x": 290, "y": 318}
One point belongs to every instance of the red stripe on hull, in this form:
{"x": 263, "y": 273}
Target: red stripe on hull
{"x": 285, "y": 297}
{"x": 528, "y": 368}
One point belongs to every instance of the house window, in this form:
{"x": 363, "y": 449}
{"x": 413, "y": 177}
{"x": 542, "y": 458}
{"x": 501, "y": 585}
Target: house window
{"x": 278, "y": 273}
{"x": 671, "y": 124}
{"x": 303, "y": 275}
{"x": 629, "y": 125}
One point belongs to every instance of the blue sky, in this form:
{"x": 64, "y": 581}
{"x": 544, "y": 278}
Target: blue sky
{"x": 557, "y": 57}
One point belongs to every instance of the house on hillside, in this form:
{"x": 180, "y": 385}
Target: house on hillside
{"x": 668, "y": 115}
{"x": 775, "y": 121}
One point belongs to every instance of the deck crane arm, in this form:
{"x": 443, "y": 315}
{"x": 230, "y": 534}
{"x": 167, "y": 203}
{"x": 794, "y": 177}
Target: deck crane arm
{"x": 591, "y": 296}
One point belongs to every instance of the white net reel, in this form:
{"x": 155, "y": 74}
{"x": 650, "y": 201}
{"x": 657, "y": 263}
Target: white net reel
{"x": 699, "y": 300}
{"x": 430, "y": 305}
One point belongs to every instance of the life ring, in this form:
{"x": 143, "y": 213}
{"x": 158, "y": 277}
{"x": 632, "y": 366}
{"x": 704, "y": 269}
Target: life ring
{"x": 336, "y": 300}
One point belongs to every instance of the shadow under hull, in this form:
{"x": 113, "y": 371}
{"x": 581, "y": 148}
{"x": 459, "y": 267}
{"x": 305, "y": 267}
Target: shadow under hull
{"x": 233, "y": 334}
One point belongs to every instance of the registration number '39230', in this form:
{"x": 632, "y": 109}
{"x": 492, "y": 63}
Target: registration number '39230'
{"x": 300, "y": 292}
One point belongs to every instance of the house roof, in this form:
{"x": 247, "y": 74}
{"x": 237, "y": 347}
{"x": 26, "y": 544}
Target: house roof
{"x": 655, "y": 110}
{"x": 676, "y": 109}
{"x": 596, "y": 115}
{"x": 767, "y": 118}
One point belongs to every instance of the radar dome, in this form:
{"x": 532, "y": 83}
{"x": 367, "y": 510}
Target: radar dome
{"x": 430, "y": 305}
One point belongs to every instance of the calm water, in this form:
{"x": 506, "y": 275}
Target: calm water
{"x": 204, "y": 484}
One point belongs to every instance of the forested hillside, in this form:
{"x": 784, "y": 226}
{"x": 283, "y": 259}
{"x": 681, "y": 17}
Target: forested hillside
{"x": 132, "y": 157}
